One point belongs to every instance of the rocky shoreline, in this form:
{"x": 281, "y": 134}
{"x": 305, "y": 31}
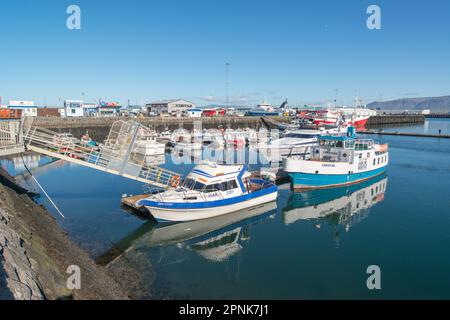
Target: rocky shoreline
{"x": 35, "y": 254}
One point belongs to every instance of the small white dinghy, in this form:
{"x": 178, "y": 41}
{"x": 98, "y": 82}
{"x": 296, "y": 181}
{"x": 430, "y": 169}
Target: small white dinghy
{"x": 210, "y": 190}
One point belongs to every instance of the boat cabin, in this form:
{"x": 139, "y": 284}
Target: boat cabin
{"x": 227, "y": 179}
{"x": 340, "y": 148}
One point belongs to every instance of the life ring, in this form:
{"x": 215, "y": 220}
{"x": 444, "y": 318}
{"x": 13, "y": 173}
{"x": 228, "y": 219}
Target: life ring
{"x": 174, "y": 181}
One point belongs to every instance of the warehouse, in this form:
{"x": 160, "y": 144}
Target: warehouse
{"x": 174, "y": 107}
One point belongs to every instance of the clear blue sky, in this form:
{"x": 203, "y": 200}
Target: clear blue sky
{"x": 300, "y": 50}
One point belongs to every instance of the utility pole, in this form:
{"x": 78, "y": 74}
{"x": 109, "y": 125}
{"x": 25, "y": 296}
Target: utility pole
{"x": 227, "y": 65}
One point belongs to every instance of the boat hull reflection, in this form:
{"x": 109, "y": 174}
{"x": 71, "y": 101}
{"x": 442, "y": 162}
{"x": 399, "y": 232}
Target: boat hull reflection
{"x": 191, "y": 234}
{"x": 180, "y": 232}
{"x": 346, "y": 201}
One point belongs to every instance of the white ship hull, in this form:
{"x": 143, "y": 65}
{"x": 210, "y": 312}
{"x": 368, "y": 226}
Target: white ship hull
{"x": 163, "y": 214}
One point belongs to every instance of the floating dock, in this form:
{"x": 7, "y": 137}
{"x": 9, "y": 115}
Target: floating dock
{"x": 130, "y": 201}
{"x": 406, "y": 134}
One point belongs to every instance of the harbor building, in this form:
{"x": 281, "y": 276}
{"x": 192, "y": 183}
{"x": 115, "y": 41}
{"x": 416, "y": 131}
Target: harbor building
{"x": 79, "y": 108}
{"x": 192, "y": 113}
{"x": 90, "y": 109}
{"x": 212, "y": 112}
{"x": 174, "y": 107}
{"x": 110, "y": 109}
{"x": 72, "y": 108}
{"x": 28, "y": 107}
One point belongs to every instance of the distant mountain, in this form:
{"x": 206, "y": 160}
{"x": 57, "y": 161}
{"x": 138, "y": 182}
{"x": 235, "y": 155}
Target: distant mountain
{"x": 435, "y": 104}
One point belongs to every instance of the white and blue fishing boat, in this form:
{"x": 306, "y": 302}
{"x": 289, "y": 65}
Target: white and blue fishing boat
{"x": 337, "y": 161}
{"x": 210, "y": 190}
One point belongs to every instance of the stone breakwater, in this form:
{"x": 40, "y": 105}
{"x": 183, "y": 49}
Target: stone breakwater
{"x": 18, "y": 280}
{"x": 35, "y": 254}
{"x": 98, "y": 128}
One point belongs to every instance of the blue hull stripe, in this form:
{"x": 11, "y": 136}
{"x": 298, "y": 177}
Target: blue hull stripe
{"x": 208, "y": 204}
{"x": 309, "y": 180}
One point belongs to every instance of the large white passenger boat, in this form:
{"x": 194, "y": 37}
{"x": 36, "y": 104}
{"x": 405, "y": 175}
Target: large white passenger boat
{"x": 210, "y": 190}
{"x": 336, "y": 161}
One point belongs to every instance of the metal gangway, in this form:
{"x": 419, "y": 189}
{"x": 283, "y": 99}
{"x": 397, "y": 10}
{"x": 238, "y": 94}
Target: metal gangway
{"x": 11, "y": 136}
{"x": 121, "y": 154}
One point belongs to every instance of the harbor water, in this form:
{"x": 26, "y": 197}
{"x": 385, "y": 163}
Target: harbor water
{"x": 310, "y": 245}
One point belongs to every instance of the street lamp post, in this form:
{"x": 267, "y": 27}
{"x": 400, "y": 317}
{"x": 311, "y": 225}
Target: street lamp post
{"x": 227, "y": 65}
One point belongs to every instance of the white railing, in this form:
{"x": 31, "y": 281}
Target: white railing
{"x": 119, "y": 157}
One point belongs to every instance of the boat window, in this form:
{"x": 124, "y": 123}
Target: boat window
{"x": 350, "y": 144}
{"x": 188, "y": 183}
{"x": 339, "y": 144}
{"x": 229, "y": 185}
{"x": 213, "y": 187}
{"x": 198, "y": 186}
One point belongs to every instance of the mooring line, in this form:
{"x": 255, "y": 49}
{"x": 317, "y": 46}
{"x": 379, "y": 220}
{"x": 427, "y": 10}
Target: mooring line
{"x": 39, "y": 185}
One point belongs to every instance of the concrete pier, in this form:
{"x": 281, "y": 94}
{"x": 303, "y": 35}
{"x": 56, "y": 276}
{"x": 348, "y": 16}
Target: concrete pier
{"x": 406, "y": 134}
{"x": 438, "y": 116}
{"x": 393, "y": 119}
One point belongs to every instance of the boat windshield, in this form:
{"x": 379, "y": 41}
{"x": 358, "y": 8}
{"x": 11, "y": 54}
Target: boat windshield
{"x": 192, "y": 184}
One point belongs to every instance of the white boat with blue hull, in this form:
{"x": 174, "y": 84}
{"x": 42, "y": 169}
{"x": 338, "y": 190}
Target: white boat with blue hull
{"x": 210, "y": 190}
{"x": 337, "y": 161}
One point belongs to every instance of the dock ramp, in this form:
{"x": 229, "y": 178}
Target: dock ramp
{"x": 118, "y": 155}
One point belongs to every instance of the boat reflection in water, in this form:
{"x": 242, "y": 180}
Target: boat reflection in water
{"x": 215, "y": 239}
{"x": 344, "y": 206}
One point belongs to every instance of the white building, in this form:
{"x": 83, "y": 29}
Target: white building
{"x": 192, "y": 113}
{"x": 90, "y": 109}
{"x": 171, "y": 107}
{"x": 28, "y": 108}
{"x": 78, "y": 108}
{"x": 73, "y": 108}
{"x": 109, "y": 111}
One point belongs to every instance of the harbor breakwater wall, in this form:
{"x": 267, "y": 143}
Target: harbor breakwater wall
{"x": 98, "y": 128}
{"x": 394, "y": 120}
{"x": 35, "y": 254}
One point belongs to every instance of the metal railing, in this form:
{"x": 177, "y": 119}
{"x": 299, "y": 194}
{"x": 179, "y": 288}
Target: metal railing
{"x": 118, "y": 157}
{"x": 11, "y": 137}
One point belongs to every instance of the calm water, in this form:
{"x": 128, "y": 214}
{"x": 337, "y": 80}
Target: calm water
{"x": 308, "y": 245}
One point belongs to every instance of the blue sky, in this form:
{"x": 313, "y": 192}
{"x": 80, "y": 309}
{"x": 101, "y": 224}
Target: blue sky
{"x": 300, "y": 50}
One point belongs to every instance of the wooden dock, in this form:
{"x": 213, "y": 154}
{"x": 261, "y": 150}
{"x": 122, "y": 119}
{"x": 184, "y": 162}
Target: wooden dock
{"x": 406, "y": 134}
{"x": 130, "y": 201}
